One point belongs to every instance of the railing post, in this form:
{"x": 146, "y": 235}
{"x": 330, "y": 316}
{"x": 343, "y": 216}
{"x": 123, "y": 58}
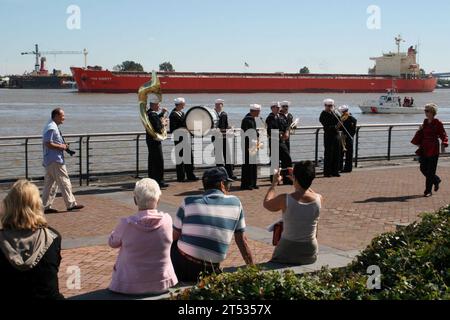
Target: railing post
{"x": 317, "y": 148}
{"x": 80, "y": 165}
{"x": 389, "y": 143}
{"x": 357, "y": 147}
{"x": 137, "y": 156}
{"x": 26, "y": 158}
{"x": 87, "y": 160}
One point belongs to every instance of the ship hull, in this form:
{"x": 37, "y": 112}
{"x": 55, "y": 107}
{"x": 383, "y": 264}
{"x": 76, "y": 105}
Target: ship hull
{"x": 40, "y": 82}
{"x": 120, "y": 82}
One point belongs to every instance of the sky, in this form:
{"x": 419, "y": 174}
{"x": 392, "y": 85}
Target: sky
{"x": 221, "y": 36}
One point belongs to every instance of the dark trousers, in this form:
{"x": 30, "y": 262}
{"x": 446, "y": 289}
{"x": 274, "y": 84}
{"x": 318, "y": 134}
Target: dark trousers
{"x": 228, "y": 167}
{"x": 249, "y": 171}
{"x": 184, "y": 169}
{"x": 347, "y": 165}
{"x": 332, "y": 156}
{"x": 187, "y": 270}
{"x": 155, "y": 160}
{"x": 428, "y": 167}
{"x": 285, "y": 160}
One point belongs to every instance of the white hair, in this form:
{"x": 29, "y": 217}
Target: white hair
{"x": 147, "y": 193}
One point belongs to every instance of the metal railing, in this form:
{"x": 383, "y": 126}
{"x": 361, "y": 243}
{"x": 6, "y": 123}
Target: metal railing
{"x": 125, "y": 153}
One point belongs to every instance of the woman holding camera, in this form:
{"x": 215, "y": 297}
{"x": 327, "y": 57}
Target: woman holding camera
{"x": 301, "y": 210}
{"x": 427, "y": 138}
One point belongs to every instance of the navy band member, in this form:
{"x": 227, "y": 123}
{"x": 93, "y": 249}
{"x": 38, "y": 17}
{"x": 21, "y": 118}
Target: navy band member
{"x": 350, "y": 124}
{"x": 223, "y": 126}
{"x": 178, "y": 120}
{"x": 250, "y": 171}
{"x": 288, "y": 118}
{"x": 155, "y": 154}
{"x": 275, "y": 122}
{"x": 330, "y": 123}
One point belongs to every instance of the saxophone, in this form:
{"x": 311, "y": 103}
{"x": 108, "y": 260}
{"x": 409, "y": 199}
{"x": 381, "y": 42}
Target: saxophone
{"x": 154, "y": 87}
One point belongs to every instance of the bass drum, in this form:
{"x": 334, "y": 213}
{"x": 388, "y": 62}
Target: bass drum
{"x": 200, "y": 120}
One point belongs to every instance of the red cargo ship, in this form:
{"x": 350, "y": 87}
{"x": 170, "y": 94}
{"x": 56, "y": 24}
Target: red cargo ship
{"x": 392, "y": 70}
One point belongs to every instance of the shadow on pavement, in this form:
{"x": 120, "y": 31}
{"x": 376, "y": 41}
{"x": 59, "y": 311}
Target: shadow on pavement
{"x": 390, "y": 199}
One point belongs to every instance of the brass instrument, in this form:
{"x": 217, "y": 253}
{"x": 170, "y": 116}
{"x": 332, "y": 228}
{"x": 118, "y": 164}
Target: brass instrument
{"x": 257, "y": 145}
{"x": 293, "y": 126}
{"x": 154, "y": 87}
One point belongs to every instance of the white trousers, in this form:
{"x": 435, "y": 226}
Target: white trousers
{"x": 56, "y": 176}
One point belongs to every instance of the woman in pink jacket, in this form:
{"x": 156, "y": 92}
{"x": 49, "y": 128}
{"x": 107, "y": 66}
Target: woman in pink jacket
{"x": 143, "y": 265}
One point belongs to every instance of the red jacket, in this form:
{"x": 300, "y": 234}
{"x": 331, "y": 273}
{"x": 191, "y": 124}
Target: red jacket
{"x": 432, "y": 132}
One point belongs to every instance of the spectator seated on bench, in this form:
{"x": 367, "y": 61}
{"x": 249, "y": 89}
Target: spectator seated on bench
{"x": 301, "y": 209}
{"x": 204, "y": 227}
{"x": 143, "y": 265}
{"x": 30, "y": 251}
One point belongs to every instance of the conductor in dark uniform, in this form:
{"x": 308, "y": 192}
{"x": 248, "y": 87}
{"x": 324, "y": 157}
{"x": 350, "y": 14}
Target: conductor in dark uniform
{"x": 223, "y": 126}
{"x": 250, "y": 170}
{"x": 178, "y": 120}
{"x": 275, "y": 122}
{"x": 155, "y": 154}
{"x": 349, "y": 131}
{"x": 288, "y": 118}
{"x": 330, "y": 123}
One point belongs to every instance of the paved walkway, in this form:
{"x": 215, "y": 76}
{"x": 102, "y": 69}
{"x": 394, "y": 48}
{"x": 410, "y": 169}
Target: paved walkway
{"x": 357, "y": 207}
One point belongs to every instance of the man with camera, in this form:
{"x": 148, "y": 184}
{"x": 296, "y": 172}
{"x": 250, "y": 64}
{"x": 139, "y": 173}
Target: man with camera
{"x": 56, "y": 175}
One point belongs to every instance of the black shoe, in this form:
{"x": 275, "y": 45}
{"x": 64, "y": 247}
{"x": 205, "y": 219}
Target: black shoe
{"x": 181, "y": 181}
{"x": 163, "y": 185}
{"x": 76, "y": 207}
{"x": 436, "y": 185}
{"x": 50, "y": 211}
{"x": 346, "y": 171}
{"x": 194, "y": 178}
{"x": 255, "y": 187}
{"x": 336, "y": 175}
{"x": 427, "y": 194}
{"x": 234, "y": 178}
{"x": 246, "y": 188}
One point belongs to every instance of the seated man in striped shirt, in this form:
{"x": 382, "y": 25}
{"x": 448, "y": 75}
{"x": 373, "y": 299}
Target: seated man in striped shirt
{"x": 204, "y": 226}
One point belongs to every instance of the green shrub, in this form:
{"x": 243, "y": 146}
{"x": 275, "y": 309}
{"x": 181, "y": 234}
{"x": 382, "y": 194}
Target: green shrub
{"x": 414, "y": 264}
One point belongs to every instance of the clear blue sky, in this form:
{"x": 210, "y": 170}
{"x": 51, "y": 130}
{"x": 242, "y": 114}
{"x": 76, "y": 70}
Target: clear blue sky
{"x": 212, "y": 35}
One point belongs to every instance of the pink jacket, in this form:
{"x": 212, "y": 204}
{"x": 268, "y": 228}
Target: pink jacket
{"x": 143, "y": 264}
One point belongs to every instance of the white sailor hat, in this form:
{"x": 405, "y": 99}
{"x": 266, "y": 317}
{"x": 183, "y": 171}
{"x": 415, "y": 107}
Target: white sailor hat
{"x": 285, "y": 103}
{"x": 218, "y": 101}
{"x": 343, "y": 108}
{"x": 328, "y": 102}
{"x": 275, "y": 104}
{"x": 179, "y": 100}
{"x": 153, "y": 99}
{"x": 255, "y": 107}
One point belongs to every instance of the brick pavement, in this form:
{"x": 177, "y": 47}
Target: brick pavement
{"x": 357, "y": 207}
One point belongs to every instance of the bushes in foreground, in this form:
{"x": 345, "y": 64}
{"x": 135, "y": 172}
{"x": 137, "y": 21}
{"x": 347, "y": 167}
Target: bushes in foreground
{"x": 414, "y": 264}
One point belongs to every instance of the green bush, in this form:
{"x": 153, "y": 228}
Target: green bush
{"x": 414, "y": 264}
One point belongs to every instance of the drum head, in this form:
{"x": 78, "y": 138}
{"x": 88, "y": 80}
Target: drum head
{"x": 199, "y": 120}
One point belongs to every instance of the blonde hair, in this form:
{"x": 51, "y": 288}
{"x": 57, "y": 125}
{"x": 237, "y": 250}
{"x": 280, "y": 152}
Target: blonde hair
{"x": 23, "y": 208}
{"x": 147, "y": 193}
{"x": 432, "y": 107}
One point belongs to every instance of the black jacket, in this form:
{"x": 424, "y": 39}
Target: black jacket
{"x": 177, "y": 120}
{"x": 155, "y": 120}
{"x": 275, "y": 123}
{"x": 40, "y": 282}
{"x": 350, "y": 125}
{"x": 223, "y": 121}
{"x": 329, "y": 123}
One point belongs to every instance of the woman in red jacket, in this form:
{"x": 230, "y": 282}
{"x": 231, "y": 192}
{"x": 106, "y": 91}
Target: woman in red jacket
{"x": 432, "y": 131}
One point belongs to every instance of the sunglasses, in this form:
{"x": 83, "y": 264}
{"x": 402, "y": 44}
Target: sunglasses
{"x": 427, "y": 111}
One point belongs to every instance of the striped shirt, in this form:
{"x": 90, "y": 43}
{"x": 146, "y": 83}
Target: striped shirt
{"x": 207, "y": 224}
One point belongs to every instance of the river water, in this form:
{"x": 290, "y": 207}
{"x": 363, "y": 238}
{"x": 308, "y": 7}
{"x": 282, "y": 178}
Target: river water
{"x": 25, "y": 112}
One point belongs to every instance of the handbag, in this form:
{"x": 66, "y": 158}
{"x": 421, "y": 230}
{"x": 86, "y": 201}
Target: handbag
{"x": 417, "y": 140}
{"x": 277, "y": 231}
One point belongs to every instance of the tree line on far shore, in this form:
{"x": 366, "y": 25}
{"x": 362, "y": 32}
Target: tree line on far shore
{"x": 132, "y": 66}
